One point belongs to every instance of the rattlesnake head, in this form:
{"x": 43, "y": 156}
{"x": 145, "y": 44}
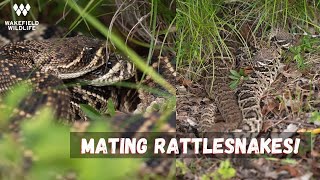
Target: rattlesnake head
{"x": 282, "y": 38}
{"x": 265, "y": 57}
{"x": 80, "y": 57}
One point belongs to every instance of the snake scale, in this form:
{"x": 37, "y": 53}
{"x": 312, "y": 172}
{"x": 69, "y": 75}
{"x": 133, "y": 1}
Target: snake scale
{"x": 49, "y": 61}
{"x": 68, "y": 71}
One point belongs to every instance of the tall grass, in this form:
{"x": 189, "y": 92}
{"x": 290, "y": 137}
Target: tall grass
{"x": 201, "y": 25}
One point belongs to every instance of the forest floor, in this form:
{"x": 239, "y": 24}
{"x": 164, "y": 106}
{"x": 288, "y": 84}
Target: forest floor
{"x": 291, "y": 104}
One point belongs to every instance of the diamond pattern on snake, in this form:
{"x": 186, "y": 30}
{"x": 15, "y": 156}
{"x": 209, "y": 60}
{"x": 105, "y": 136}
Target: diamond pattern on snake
{"x": 67, "y": 72}
{"x": 240, "y": 109}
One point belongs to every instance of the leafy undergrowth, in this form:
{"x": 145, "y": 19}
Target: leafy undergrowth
{"x": 192, "y": 103}
{"x": 224, "y": 171}
{"x": 210, "y": 31}
{"x": 41, "y": 149}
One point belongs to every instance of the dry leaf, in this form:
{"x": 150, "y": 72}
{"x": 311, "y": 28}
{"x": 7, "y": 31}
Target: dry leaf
{"x": 292, "y": 170}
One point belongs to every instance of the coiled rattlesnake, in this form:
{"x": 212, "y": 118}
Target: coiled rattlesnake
{"x": 67, "y": 72}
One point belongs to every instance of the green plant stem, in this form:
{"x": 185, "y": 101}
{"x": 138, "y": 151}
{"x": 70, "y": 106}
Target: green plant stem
{"x": 140, "y": 64}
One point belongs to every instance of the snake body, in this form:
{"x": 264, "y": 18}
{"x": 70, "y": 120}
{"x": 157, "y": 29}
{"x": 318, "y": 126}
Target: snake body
{"x": 65, "y": 72}
{"x": 266, "y": 65}
{"x": 71, "y": 60}
{"x": 224, "y": 99}
{"x": 241, "y": 109}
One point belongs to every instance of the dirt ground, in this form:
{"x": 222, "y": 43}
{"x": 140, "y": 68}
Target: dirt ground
{"x": 289, "y": 105}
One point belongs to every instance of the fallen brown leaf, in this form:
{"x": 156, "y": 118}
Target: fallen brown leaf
{"x": 292, "y": 170}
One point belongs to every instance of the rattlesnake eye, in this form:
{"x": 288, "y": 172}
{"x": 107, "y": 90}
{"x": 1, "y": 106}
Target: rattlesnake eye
{"x": 109, "y": 64}
{"x": 89, "y": 50}
{"x": 273, "y": 39}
